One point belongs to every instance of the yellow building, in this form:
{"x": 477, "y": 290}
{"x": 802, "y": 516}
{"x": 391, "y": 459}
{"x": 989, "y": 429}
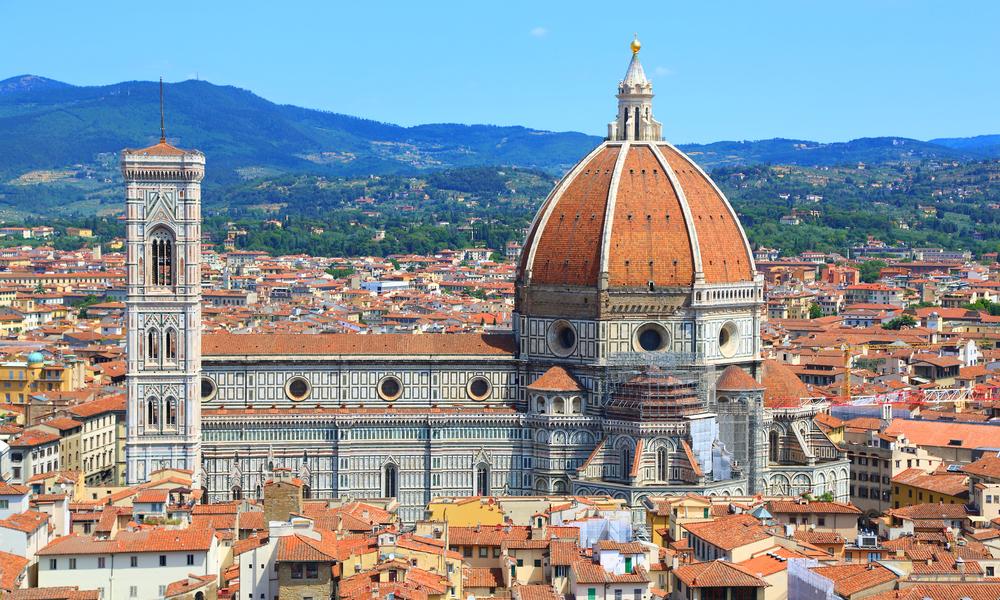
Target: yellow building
{"x": 465, "y": 512}
{"x": 667, "y": 517}
{"x": 20, "y": 379}
{"x": 915, "y": 486}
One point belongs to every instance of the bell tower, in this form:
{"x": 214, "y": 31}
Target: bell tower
{"x": 163, "y": 238}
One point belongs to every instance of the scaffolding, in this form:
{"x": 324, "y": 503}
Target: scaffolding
{"x": 673, "y": 391}
{"x": 651, "y": 386}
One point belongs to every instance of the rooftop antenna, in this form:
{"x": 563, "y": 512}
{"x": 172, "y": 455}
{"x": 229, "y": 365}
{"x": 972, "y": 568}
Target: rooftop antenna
{"x": 163, "y": 131}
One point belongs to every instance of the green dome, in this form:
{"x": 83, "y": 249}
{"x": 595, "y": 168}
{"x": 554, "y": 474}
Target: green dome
{"x": 35, "y": 358}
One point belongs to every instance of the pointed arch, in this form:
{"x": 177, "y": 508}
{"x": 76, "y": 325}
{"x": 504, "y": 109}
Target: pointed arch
{"x": 152, "y": 412}
{"x": 170, "y": 346}
{"x": 161, "y": 252}
{"x": 662, "y": 464}
{"x": 624, "y": 461}
{"x": 170, "y": 412}
{"x": 774, "y": 446}
{"x": 153, "y": 343}
{"x": 482, "y": 479}
{"x": 390, "y": 480}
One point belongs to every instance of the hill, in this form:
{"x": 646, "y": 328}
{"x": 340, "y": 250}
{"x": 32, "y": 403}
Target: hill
{"x": 48, "y": 126}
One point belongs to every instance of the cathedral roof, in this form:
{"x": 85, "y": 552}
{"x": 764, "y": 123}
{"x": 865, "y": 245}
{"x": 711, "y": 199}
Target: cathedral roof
{"x": 781, "y": 384}
{"x": 556, "y": 379}
{"x": 396, "y": 344}
{"x": 636, "y": 213}
{"x": 631, "y": 215}
{"x": 735, "y": 378}
{"x": 159, "y": 149}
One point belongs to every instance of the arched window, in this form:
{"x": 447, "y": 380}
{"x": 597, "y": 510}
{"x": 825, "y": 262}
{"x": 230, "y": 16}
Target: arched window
{"x": 774, "y": 447}
{"x": 152, "y": 412}
{"x": 540, "y": 406}
{"x": 558, "y": 406}
{"x": 306, "y": 492}
{"x": 170, "y": 412}
{"x": 162, "y": 258}
{"x": 483, "y": 480}
{"x": 236, "y": 493}
{"x": 153, "y": 344}
{"x": 625, "y": 457}
{"x": 390, "y": 481}
{"x": 259, "y": 493}
{"x": 170, "y": 350}
{"x": 577, "y": 406}
{"x": 662, "y": 465}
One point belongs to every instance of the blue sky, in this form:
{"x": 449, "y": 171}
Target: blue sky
{"x": 721, "y": 70}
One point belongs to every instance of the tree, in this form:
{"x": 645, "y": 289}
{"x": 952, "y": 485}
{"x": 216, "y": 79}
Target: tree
{"x": 901, "y": 322}
{"x": 815, "y": 311}
{"x": 870, "y": 270}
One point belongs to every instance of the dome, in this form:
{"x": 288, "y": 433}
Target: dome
{"x": 35, "y": 358}
{"x": 782, "y": 387}
{"x": 636, "y": 214}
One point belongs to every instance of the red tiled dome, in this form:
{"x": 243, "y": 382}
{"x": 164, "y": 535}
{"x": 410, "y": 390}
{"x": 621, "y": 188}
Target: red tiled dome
{"x": 782, "y": 387}
{"x": 637, "y": 213}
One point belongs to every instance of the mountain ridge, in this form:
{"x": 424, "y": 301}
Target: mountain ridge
{"x": 49, "y": 124}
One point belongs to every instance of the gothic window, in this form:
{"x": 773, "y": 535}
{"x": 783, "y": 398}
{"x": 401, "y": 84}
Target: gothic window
{"x": 774, "y": 447}
{"x": 153, "y": 344}
{"x": 482, "y": 480}
{"x": 626, "y": 461}
{"x": 662, "y": 465}
{"x": 170, "y": 412}
{"x": 170, "y": 350}
{"x": 152, "y": 412}
{"x": 390, "y": 481}
{"x": 236, "y": 493}
{"x": 162, "y": 258}
{"x": 306, "y": 492}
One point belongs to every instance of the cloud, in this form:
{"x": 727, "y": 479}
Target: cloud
{"x": 662, "y": 71}
{"x": 539, "y": 32}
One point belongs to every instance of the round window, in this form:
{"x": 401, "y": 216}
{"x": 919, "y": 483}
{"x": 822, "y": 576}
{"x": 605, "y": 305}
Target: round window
{"x": 562, "y": 338}
{"x": 208, "y": 389}
{"x": 728, "y": 339}
{"x": 479, "y": 388}
{"x": 298, "y": 389}
{"x": 390, "y": 388}
{"x": 651, "y": 337}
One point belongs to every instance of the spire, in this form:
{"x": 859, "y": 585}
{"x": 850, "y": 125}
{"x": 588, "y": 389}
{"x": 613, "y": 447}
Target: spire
{"x": 163, "y": 131}
{"x": 635, "y": 120}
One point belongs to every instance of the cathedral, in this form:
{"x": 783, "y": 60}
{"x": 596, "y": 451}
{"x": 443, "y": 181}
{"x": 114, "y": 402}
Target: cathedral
{"x": 633, "y": 368}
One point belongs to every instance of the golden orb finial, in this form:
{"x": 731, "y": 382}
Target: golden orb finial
{"x": 635, "y": 45}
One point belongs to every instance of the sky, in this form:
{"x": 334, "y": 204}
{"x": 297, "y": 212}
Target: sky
{"x": 805, "y": 69}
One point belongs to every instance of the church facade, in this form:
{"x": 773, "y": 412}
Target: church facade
{"x": 632, "y": 369}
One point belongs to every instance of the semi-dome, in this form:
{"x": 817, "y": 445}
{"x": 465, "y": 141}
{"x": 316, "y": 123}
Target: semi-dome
{"x": 635, "y": 214}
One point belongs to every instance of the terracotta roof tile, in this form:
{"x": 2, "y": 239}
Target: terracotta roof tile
{"x": 396, "y": 344}
{"x": 717, "y": 573}
{"x": 556, "y": 379}
{"x": 782, "y": 385}
{"x": 736, "y": 379}
{"x": 850, "y": 579}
